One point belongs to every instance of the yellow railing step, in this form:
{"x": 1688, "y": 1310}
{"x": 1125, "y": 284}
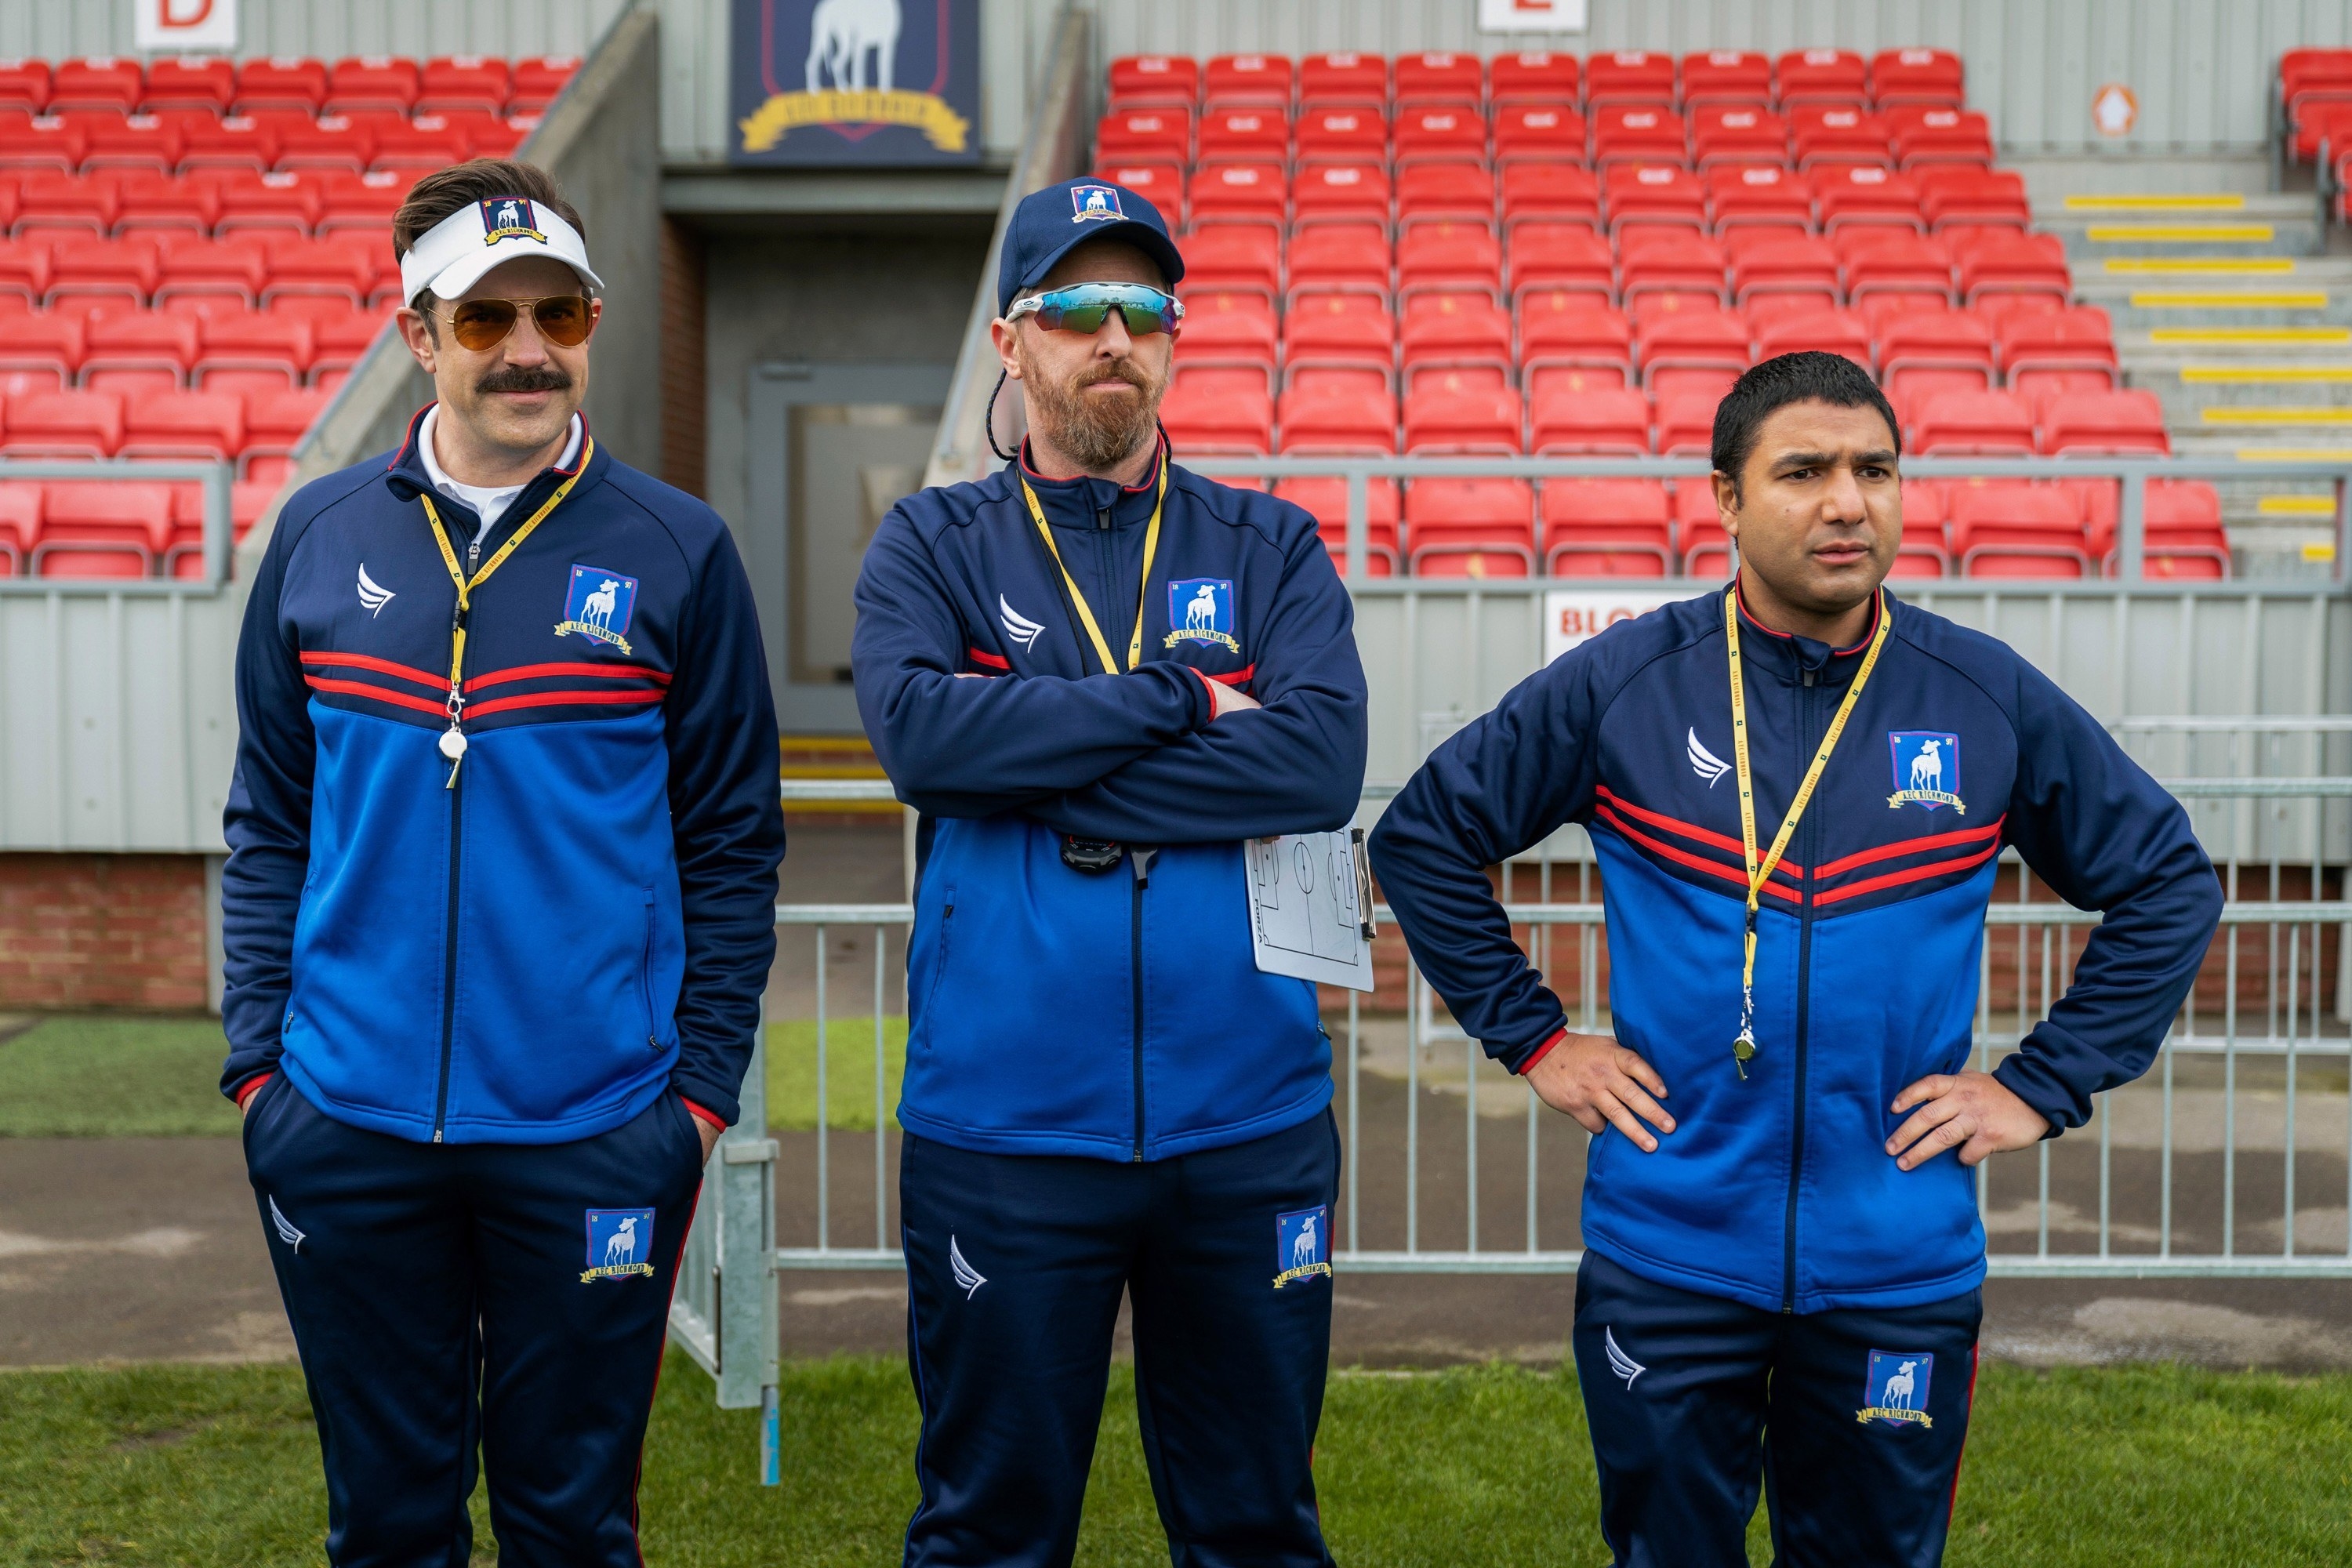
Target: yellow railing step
{"x": 2263, "y": 374}
{"x": 2296, "y": 506}
{"x": 2319, "y": 414}
{"x": 2214, "y": 336}
{"x": 2191, "y": 266}
{"x": 2216, "y": 201}
{"x": 2229, "y": 300}
{"x": 827, "y": 743}
{"x": 2295, "y": 454}
{"x": 2181, "y": 233}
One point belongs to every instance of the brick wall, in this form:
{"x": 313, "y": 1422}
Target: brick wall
{"x": 102, "y": 930}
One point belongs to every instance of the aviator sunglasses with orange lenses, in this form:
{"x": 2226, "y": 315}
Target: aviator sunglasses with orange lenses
{"x": 563, "y": 319}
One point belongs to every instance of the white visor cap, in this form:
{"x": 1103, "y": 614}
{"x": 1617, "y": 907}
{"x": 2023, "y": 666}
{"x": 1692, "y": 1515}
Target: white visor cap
{"x": 453, "y": 255}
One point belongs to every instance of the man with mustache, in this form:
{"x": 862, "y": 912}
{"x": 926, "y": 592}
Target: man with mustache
{"x": 499, "y": 910}
{"x": 1096, "y": 674}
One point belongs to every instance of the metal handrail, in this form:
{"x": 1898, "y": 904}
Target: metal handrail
{"x": 217, "y": 478}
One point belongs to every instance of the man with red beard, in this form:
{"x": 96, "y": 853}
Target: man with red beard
{"x": 1096, "y": 674}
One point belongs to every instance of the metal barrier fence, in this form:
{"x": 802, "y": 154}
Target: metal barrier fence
{"x": 2170, "y": 1179}
{"x": 219, "y": 531}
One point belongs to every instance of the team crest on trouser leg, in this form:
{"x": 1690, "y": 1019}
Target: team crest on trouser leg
{"x": 1926, "y": 769}
{"x": 598, "y": 605}
{"x": 1302, "y": 1246}
{"x": 620, "y": 1244}
{"x": 1894, "y": 1390}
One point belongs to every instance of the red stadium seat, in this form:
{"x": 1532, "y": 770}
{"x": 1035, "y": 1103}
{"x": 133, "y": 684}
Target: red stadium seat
{"x": 1161, "y": 183}
{"x": 1822, "y": 76}
{"x": 1212, "y": 418}
{"x": 1828, "y": 331}
{"x": 1556, "y": 257}
{"x": 20, "y": 526}
{"x": 1726, "y": 77}
{"x": 1444, "y": 193}
{"x": 1341, "y": 336}
{"x": 74, "y": 423}
{"x": 248, "y": 351}
{"x": 539, "y": 80}
{"x": 1837, "y": 136}
{"x": 1566, "y": 421}
{"x": 1338, "y": 418}
{"x": 1607, "y": 528}
{"x": 425, "y": 144}
{"x": 84, "y": 271}
{"x": 1440, "y": 78}
{"x": 2104, "y": 421}
{"x": 1637, "y": 133}
{"x": 54, "y": 145}
{"x": 1250, "y": 193}
{"x": 1343, "y": 258}
{"x": 1236, "y": 258}
{"x": 1547, "y": 191}
{"x": 1534, "y": 76}
{"x": 1470, "y": 528}
{"x": 238, "y": 141}
{"x": 201, "y": 275}
{"x": 1225, "y": 327}
{"x": 1690, "y": 349}
{"x": 1462, "y": 334}
{"x": 367, "y": 202}
{"x": 463, "y": 81}
{"x": 1261, "y": 81}
{"x": 150, "y": 203}
{"x": 1245, "y": 135}
{"x": 342, "y": 267}
{"x": 2016, "y": 264}
{"x": 143, "y": 350}
{"x": 1931, "y": 76}
{"x": 1704, "y": 548}
{"x": 1448, "y": 257}
{"x": 2074, "y": 348}
{"x": 1326, "y": 500}
{"x": 143, "y": 141}
{"x": 1344, "y": 80}
{"x": 25, "y": 85}
{"x": 1737, "y": 134}
{"x": 1541, "y": 131}
{"x": 339, "y": 341}
{"x": 1925, "y": 136}
{"x": 1144, "y": 135}
{"x": 40, "y": 353}
{"x": 51, "y": 201}
{"x": 1684, "y": 267}
{"x": 1564, "y": 333}
{"x": 1629, "y": 77}
{"x": 1896, "y": 262}
{"x": 281, "y": 83}
{"x": 24, "y": 269}
{"x": 371, "y": 81}
{"x": 332, "y": 141}
{"x": 1776, "y": 276}
{"x": 1937, "y": 342}
{"x": 1984, "y": 423}
{"x": 2311, "y": 83}
{"x": 174, "y": 424}
{"x": 1685, "y": 423}
{"x": 1342, "y": 193}
{"x": 1140, "y": 80}
{"x": 1441, "y": 134}
{"x": 1958, "y": 197}
{"x": 1653, "y": 195}
{"x": 1756, "y": 196}
{"x": 2181, "y": 533}
{"x": 110, "y": 530}
{"x": 96, "y": 83}
{"x": 276, "y": 422}
{"x": 1350, "y": 134}
{"x": 2008, "y": 528}
{"x": 1922, "y": 553}
{"x": 1447, "y": 414}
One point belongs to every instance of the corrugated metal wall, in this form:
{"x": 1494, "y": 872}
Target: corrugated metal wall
{"x": 2200, "y": 68}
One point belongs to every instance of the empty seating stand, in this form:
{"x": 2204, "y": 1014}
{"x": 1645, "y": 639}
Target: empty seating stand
{"x": 1534, "y": 253}
{"x": 194, "y": 253}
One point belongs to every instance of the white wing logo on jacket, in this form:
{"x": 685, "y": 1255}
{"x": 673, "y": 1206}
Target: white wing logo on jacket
{"x": 1704, "y": 762}
{"x": 1017, "y": 627}
{"x": 374, "y": 595}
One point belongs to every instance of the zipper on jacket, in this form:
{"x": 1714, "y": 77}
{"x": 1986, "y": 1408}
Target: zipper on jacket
{"x": 449, "y": 943}
{"x": 1810, "y": 829}
{"x": 1140, "y": 859}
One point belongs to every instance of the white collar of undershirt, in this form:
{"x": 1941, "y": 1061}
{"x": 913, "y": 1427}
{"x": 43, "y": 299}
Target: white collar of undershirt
{"x": 489, "y": 502}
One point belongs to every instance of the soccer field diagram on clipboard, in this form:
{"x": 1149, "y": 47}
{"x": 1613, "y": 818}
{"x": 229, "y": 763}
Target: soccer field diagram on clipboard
{"x": 1309, "y": 913}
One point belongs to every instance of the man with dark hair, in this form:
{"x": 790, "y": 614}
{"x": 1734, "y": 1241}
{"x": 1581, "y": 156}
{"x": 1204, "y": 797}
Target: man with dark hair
{"x": 499, "y": 910}
{"x": 1780, "y": 1280}
{"x": 1096, "y": 674}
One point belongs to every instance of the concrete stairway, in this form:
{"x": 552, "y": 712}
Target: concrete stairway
{"x": 2235, "y": 310}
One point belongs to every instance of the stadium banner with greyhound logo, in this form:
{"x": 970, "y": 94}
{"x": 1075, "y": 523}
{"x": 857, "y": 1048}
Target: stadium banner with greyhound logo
{"x": 864, "y": 82}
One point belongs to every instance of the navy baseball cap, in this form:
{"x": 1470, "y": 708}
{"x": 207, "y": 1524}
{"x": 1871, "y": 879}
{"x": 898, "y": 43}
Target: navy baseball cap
{"x": 1050, "y": 223}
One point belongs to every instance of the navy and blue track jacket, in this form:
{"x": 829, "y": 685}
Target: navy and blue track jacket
{"x": 1118, "y": 1015}
{"x": 588, "y": 916}
{"x": 1778, "y": 1191}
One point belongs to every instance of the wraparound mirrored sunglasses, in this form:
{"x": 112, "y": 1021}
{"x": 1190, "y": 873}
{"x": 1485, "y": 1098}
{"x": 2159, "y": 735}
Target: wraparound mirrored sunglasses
{"x": 1086, "y": 306}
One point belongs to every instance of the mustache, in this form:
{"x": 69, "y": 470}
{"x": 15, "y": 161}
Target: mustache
{"x": 525, "y": 378}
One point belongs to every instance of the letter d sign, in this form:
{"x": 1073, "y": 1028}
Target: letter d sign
{"x": 184, "y": 26}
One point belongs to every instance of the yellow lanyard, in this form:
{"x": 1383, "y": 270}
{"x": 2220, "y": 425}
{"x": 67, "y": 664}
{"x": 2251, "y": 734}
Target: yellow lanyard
{"x": 1143, "y": 592}
{"x": 453, "y": 740}
{"x": 1743, "y": 1047}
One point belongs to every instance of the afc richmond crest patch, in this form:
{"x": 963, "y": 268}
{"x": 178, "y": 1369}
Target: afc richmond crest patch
{"x": 598, "y": 605}
{"x": 1302, "y": 1246}
{"x": 1895, "y": 1389}
{"x": 510, "y": 218}
{"x": 1200, "y": 609}
{"x": 620, "y": 1244}
{"x": 1095, "y": 204}
{"x": 1926, "y": 769}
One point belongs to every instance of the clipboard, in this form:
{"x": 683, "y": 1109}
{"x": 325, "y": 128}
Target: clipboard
{"x": 1310, "y": 906}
